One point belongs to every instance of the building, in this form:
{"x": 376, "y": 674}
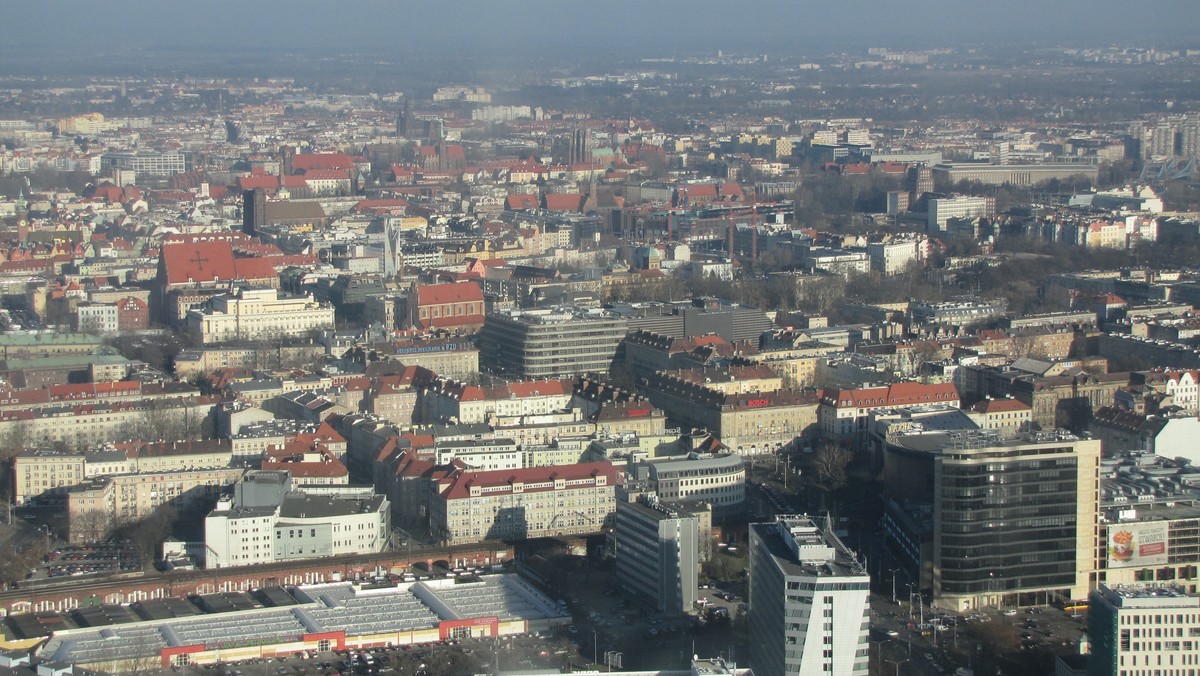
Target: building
{"x": 266, "y": 521}
{"x": 698, "y": 317}
{"x": 511, "y": 505}
{"x": 445, "y": 399}
{"x": 942, "y": 209}
{"x": 44, "y": 475}
{"x": 894, "y": 257}
{"x": 1013, "y": 174}
{"x": 98, "y": 318}
{"x": 809, "y": 598}
{"x": 1143, "y": 631}
{"x": 450, "y": 357}
{"x": 556, "y": 343}
{"x": 317, "y": 617}
{"x": 844, "y": 262}
{"x": 716, "y": 479}
{"x": 257, "y": 314}
{"x": 483, "y": 454}
{"x": 448, "y": 307}
{"x": 84, "y": 425}
{"x": 146, "y": 163}
{"x": 843, "y": 413}
{"x": 100, "y": 504}
{"x": 747, "y": 422}
{"x": 1013, "y": 520}
{"x": 657, "y": 553}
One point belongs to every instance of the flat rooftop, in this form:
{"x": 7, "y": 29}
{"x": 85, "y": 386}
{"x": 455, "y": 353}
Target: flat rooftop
{"x": 318, "y": 608}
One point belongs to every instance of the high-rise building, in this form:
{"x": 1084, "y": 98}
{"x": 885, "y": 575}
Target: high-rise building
{"x": 553, "y": 343}
{"x": 1143, "y": 631}
{"x": 402, "y": 120}
{"x": 1012, "y": 520}
{"x": 254, "y": 210}
{"x": 808, "y": 600}
{"x": 657, "y": 551}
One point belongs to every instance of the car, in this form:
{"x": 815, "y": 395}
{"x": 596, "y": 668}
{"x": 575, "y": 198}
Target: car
{"x": 1008, "y": 613}
{"x": 892, "y": 633}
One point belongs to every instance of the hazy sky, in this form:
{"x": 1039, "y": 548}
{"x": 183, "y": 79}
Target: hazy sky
{"x": 637, "y": 26}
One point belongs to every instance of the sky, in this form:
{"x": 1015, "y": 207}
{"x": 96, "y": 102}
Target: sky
{"x": 632, "y": 26}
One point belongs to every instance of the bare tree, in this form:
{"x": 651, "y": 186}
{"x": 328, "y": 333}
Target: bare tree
{"x": 829, "y": 467}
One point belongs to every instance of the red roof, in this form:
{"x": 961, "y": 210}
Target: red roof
{"x": 93, "y": 390}
{"x": 326, "y": 175}
{"x": 380, "y": 205}
{"x": 519, "y": 202}
{"x": 207, "y": 261}
{"x": 541, "y": 388}
{"x": 899, "y": 394}
{"x": 458, "y": 485}
{"x": 440, "y": 294}
{"x": 307, "y": 161}
{"x": 267, "y": 182}
{"x": 564, "y": 202}
{"x": 999, "y": 406}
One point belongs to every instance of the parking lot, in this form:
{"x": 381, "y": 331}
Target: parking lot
{"x": 1012, "y": 640}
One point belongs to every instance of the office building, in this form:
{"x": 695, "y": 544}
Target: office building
{"x": 942, "y": 209}
{"x": 146, "y": 163}
{"x": 1143, "y": 631}
{"x": 809, "y": 600}
{"x": 1013, "y": 174}
{"x": 555, "y": 343}
{"x": 698, "y": 317}
{"x": 1014, "y": 520}
{"x": 657, "y": 552}
{"x": 716, "y": 479}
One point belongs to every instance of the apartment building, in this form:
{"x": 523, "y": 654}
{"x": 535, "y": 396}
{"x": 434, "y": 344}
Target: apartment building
{"x": 44, "y": 475}
{"x": 446, "y": 399}
{"x": 101, "y": 503}
{"x": 844, "y": 413}
{"x": 510, "y": 505}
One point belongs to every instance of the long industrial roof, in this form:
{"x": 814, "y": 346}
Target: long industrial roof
{"x": 322, "y": 608}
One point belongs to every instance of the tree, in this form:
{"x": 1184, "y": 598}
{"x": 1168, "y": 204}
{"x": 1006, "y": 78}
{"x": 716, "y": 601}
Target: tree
{"x": 829, "y": 467}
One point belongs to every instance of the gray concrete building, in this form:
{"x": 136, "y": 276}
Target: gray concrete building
{"x": 657, "y": 552}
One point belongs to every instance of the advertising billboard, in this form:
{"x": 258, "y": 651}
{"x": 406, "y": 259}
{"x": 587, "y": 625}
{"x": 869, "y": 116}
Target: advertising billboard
{"x": 1136, "y": 545}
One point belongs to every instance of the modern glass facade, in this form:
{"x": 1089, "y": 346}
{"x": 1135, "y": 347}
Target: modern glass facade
{"x": 1007, "y": 523}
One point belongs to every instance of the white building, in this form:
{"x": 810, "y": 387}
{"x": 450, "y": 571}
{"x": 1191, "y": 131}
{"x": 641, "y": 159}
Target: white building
{"x": 1144, "y": 631}
{"x": 266, "y": 521}
{"x": 891, "y": 258}
{"x": 248, "y": 314}
{"x": 942, "y": 209}
{"x": 716, "y": 479}
{"x": 808, "y": 600}
{"x": 98, "y": 318}
{"x": 483, "y": 455}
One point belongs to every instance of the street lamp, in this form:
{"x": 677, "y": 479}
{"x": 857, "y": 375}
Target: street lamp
{"x": 879, "y": 650}
{"x": 897, "y": 663}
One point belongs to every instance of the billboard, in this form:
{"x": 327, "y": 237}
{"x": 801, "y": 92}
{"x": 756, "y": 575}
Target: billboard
{"x": 1136, "y": 545}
